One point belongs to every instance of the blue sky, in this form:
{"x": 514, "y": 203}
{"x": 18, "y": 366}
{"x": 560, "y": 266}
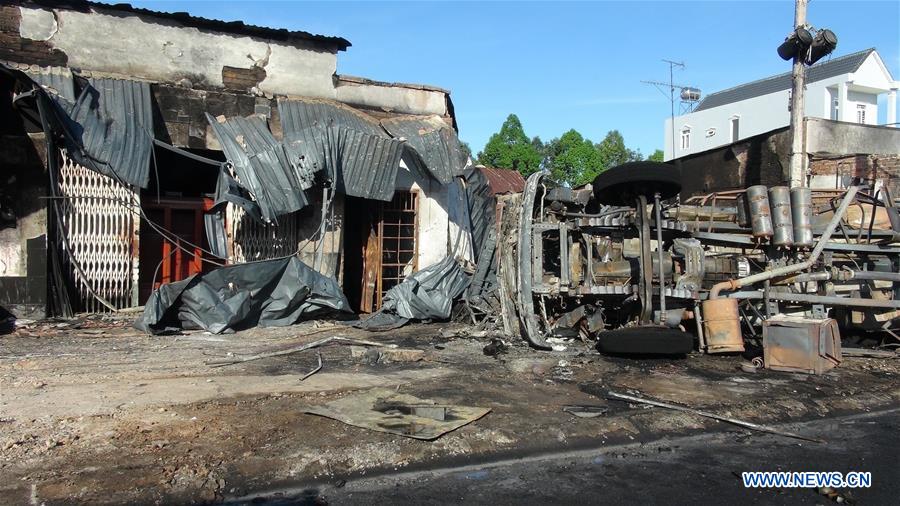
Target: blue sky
{"x": 565, "y": 65}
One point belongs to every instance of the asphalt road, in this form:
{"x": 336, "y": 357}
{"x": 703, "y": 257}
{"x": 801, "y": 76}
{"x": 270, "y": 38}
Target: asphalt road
{"x": 699, "y": 469}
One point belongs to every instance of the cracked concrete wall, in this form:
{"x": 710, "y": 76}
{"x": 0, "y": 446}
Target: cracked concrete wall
{"x": 158, "y": 50}
{"x": 393, "y": 98}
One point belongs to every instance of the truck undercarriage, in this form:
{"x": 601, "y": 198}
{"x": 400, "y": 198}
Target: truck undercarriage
{"x": 626, "y": 262}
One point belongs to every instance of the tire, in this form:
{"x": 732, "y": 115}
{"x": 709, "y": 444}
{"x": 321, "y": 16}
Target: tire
{"x": 645, "y": 341}
{"x": 620, "y": 185}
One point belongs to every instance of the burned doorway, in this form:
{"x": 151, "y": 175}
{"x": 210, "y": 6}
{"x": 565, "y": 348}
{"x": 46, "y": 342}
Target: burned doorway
{"x": 380, "y": 247}
{"x": 174, "y": 246}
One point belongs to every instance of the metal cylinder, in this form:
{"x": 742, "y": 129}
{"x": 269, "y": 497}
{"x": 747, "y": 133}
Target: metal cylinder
{"x": 760, "y": 215}
{"x": 780, "y": 201}
{"x": 722, "y": 326}
{"x": 801, "y": 216}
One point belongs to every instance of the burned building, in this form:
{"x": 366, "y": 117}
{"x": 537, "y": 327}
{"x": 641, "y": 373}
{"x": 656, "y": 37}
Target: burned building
{"x": 142, "y": 148}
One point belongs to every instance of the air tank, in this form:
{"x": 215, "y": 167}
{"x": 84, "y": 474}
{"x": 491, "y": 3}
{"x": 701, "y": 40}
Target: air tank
{"x": 760, "y": 215}
{"x": 780, "y": 200}
{"x": 801, "y": 216}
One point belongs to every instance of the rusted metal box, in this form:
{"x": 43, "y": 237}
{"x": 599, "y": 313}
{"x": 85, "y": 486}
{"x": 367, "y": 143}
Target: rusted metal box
{"x": 801, "y": 344}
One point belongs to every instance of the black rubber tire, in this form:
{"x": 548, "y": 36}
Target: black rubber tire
{"x": 620, "y": 185}
{"x": 645, "y": 341}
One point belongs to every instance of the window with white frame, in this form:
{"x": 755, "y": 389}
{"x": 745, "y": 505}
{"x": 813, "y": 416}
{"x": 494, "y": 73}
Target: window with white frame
{"x": 835, "y": 107}
{"x": 686, "y": 138}
{"x": 861, "y": 113}
{"x": 735, "y": 128}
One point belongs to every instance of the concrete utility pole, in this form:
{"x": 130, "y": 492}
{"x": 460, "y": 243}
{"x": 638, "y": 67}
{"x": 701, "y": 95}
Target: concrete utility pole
{"x": 798, "y": 128}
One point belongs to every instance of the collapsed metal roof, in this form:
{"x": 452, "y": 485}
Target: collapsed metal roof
{"x": 109, "y": 128}
{"x": 260, "y": 163}
{"x": 350, "y": 146}
{"x": 434, "y": 143}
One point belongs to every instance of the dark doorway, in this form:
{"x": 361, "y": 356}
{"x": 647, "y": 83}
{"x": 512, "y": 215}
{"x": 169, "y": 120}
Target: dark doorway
{"x": 380, "y": 247}
{"x": 360, "y": 239}
{"x": 179, "y": 194}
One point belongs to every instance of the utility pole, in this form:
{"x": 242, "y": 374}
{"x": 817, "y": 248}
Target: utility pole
{"x": 799, "y": 161}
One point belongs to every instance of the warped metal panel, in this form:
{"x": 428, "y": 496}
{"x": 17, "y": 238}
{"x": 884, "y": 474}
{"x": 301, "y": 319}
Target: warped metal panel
{"x": 350, "y": 146}
{"x": 433, "y": 141}
{"x": 112, "y": 123}
{"x": 261, "y": 164}
{"x": 56, "y": 80}
{"x": 367, "y": 165}
{"x": 101, "y": 230}
{"x": 300, "y": 114}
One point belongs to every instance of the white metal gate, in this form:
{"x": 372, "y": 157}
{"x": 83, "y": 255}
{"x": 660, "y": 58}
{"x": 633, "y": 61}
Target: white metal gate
{"x": 101, "y": 227}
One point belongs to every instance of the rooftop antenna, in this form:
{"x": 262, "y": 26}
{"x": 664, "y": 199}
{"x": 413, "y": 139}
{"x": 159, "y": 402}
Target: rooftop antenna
{"x": 689, "y": 96}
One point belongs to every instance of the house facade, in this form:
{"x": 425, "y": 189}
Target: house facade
{"x": 220, "y": 143}
{"x": 843, "y": 89}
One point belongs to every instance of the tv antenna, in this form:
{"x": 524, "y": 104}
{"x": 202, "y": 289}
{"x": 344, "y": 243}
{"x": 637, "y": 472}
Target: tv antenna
{"x": 688, "y": 97}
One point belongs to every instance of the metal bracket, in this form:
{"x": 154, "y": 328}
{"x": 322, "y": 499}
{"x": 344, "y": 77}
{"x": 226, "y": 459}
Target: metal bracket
{"x": 819, "y": 312}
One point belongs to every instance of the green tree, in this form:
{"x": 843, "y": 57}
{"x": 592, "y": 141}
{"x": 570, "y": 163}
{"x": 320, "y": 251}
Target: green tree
{"x": 466, "y": 149}
{"x": 510, "y": 148}
{"x": 657, "y": 156}
{"x": 574, "y": 159}
{"x": 613, "y": 152}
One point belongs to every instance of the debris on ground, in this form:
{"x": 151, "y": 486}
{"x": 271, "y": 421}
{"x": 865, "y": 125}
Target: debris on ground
{"x": 297, "y": 349}
{"x": 735, "y": 421}
{"x": 496, "y": 347}
{"x": 405, "y": 415}
{"x": 585, "y": 411}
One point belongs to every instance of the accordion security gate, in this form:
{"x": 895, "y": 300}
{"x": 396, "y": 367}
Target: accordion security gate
{"x": 101, "y": 226}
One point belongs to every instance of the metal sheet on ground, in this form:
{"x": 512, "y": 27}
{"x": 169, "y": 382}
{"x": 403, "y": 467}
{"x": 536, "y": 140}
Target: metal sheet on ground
{"x": 386, "y": 410}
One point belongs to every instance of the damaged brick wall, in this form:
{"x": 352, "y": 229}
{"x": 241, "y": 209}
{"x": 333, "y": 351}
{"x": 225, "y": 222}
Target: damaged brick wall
{"x": 857, "y": 169}
{"x": 240, "y": 79}
{"x": 182, "y": 121}
{"x": 14, "y": 47}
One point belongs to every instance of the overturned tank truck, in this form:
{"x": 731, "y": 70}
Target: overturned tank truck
{"x": 626, "y": 262}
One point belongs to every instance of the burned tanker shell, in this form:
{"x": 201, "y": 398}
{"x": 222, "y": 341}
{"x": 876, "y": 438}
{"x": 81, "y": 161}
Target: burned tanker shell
{"x": 760, "y": 215}
{"x": 780, "y": 200}
{"x": 801, "y": 215}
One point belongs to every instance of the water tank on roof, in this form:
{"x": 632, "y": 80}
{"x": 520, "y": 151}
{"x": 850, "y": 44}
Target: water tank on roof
{"x": 690, "y": 94}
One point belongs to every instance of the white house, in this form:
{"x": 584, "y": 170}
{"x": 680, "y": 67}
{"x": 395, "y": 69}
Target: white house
{"x": 841, "y": 89}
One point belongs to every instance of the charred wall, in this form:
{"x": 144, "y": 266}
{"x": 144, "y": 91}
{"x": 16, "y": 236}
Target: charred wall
{"x": 761, "y": 159}
{"x": 23, "y": 225}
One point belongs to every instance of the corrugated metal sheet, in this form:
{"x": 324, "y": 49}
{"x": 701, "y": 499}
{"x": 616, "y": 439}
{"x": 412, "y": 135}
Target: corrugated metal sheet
{"x": 835, "y": 67}
{"x": 503, "y": 181}
{"x": 261, "y": 164}
{"x": 481, "y": 203}
{"x": 56, "y": 80}
{"x": 300, "y": 114}
{"x": 367, "y": 165}
{"x": 110, "y": 128}
{"x": 433, "y": 141}
{"x": 349, "y": 145}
